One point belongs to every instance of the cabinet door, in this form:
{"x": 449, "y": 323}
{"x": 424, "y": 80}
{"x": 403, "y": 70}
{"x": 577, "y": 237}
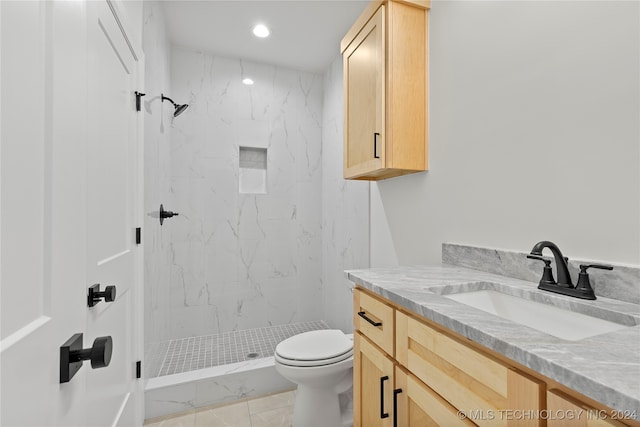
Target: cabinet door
{"x": 419, "y": 406}
{"x": 372, "y": 385}
{"x": 483, "y": 388}
{"x": 566, "y": 412}
{"x": 364, "y": 80}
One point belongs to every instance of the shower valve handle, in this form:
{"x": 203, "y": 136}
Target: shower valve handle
{"x": 166, "y": 214}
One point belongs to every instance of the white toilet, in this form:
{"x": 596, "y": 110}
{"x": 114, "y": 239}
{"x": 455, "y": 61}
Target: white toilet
{"x": 321, "y": 364}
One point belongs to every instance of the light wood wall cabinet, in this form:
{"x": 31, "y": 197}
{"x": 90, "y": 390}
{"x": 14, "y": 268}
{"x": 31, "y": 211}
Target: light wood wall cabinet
{"x": 410, "y": 373}
{"x": 385, "y": 91}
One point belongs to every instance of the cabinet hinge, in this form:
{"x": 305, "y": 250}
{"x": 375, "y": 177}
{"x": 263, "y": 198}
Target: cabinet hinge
{"x": 138, "y": 235}
{"x": 139, "y": 369}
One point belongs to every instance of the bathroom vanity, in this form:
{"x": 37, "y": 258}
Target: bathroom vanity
{"x": 424, "y": 358}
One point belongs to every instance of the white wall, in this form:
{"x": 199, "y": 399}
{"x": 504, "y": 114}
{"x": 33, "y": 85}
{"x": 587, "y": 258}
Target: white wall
{"x": 534, "y": 135}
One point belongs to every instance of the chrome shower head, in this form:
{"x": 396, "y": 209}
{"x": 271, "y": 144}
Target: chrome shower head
{"x": 179, "y": 107}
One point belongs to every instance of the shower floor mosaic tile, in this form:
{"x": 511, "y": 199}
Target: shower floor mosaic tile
{"x": 189, "y": 354}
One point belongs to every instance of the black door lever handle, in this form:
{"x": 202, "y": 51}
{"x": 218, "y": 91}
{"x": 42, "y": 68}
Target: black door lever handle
{"x": 95, "y": 296}
{"x": 72, "y": 355}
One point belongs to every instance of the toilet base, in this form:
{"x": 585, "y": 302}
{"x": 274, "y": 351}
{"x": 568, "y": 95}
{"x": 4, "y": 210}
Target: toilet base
{"x": 317, "y": 407}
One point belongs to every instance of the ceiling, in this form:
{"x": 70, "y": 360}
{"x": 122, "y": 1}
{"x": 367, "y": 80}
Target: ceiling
{"x": 305, "y": 34}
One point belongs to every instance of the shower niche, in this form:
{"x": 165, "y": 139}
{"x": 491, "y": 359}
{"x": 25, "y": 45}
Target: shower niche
{"x": 252, "y": 176}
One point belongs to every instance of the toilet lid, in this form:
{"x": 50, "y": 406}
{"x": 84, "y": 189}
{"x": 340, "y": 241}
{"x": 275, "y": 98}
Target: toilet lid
{"x": 319, "y": 345}
{"x": 313, "y": 363}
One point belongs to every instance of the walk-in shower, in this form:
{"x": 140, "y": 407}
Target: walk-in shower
{"x": 244, "y": 257}
{"x": 267, "y": 225}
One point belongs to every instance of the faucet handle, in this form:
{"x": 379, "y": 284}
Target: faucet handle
{"x": 583, "y": 267}
{"x": 547, "y": 273}
{"x": 584, "y": 284}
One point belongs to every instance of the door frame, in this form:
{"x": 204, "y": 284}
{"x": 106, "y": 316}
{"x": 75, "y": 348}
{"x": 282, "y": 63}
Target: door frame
{"x": 135, "y": 47}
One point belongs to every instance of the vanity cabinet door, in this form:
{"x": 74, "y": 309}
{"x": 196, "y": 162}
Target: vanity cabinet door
{"x": 488, "y": 392}
{"x": 373, "y": 384}
{"x": 419, "y": 406}
{"x": 567, "y": 412}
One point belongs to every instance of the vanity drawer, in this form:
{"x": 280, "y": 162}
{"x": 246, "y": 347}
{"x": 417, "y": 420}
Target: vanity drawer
{"x": 469, "y": 380}
{"x": 374, "y": 319}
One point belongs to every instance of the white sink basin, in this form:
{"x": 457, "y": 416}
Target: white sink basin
{"x": 551, "y": 320}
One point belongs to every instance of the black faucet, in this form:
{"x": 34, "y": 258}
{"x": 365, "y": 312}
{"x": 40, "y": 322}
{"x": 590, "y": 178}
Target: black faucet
{"x": 564, "y": 285}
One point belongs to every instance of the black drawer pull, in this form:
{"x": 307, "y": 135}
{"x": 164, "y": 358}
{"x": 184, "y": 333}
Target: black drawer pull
{"x": 382, "y": 413}
{"x": 396, "y": 392}
{"x": 375, "y": 145}
{"x": 364, "y": 316}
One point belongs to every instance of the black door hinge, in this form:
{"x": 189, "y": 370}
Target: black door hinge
{"x": 138, "y": 100}
{"x": 139, "y": 369}
{"x": 138, "y": 235}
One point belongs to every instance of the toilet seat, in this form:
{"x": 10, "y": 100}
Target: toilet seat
{"x": 314, "y": 348}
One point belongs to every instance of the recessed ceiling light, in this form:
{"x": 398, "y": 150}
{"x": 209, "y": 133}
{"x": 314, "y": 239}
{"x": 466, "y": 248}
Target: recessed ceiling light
{"x": 247, "y": 81}
{"x": 261, "y": 31}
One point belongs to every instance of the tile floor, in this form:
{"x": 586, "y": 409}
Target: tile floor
{"x": 189, "y": 354}
{"x": 274, "y": 410}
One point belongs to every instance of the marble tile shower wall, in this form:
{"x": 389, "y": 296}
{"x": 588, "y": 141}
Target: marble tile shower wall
{"x": 157, "y": 174}
{"x": 345, "y": 205}
{"x": 243, "y": 260}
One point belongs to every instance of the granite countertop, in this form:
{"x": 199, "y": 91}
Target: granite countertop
{"x": 604, "y": 367}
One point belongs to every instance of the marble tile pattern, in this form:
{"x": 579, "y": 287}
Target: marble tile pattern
{"x": 345, "y": 210}
{"x": 157, "y": 174}
{"x": 604, "y": 367}
{"x": 241, "y": 261}
{"x": 622, "y": 283}
{"x": 274, "y": 410}
{"x": 172, "y": 394}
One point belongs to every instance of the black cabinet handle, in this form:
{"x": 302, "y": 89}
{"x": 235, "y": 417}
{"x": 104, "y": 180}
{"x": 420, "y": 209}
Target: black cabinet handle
{"x": 375, "y": 145}
{"x": 94, "y": 295}
{"x": 396, "y": 392}
{"x": 72, "y": 355}
{"x": 382, "y": 413}
{"x": 364, "y": 316}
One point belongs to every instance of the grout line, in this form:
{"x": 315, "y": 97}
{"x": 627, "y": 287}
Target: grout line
{"x": 188, "y": 354}
{"x": 164, "y": 359}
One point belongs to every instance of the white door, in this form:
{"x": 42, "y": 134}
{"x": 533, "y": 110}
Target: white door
{"x": 70, "y": 178}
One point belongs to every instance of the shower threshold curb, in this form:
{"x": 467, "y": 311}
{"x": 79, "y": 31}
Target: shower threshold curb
{"x": 176, "y": 393}
{"x": 208, "y": 373}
